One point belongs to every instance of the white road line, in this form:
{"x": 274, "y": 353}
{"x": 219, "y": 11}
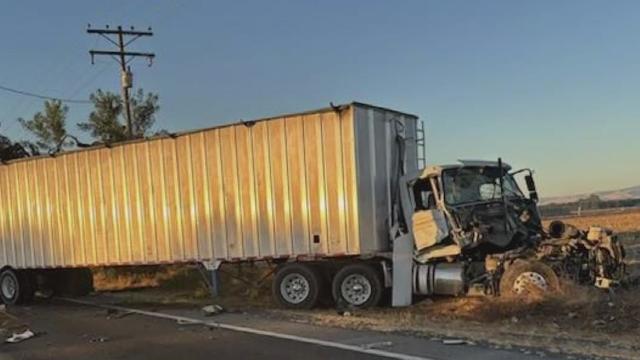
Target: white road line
{"x": 326, "y": 343}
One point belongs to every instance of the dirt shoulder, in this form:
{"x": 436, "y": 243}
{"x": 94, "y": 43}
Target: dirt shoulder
{"x": 580, "y": 321}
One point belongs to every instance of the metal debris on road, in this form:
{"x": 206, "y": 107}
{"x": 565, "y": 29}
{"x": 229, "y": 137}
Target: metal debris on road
{"x": 211, "y": 310}
{"x": 19, "y": 337}
{"x": 453, "y": 342}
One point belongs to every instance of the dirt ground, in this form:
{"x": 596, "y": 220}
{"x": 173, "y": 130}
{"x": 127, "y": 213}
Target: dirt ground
{"x": 580, "y": 320}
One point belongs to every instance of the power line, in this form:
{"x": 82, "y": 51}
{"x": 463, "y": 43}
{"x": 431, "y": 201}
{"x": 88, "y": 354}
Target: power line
{"x": 45, "y": 97}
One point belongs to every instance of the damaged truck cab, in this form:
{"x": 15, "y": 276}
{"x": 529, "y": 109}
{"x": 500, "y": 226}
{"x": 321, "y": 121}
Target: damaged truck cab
{"x": 472, "y": 229}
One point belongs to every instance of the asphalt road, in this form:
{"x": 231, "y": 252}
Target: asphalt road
{"x": 72, "y": 331}
{"x": 77, "y": 332}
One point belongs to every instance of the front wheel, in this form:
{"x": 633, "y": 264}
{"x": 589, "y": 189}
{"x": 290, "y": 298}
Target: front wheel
{"x": 523, "y": 278}
{"x": 358, "y": 286}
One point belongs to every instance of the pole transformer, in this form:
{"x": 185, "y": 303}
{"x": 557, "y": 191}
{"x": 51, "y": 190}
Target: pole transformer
{"x": 123, "y": 57}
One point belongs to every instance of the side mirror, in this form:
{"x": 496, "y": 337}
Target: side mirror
{"x": 531, "y": 186}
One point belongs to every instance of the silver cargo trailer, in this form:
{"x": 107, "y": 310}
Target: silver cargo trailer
{"x": 318, "y": 184}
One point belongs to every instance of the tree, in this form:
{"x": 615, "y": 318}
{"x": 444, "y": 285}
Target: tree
{"x": 106, "y": 121}
{"x": 48, "y": 126}
{"x": 10, "y": 150}
{"x": 143, "y": 112}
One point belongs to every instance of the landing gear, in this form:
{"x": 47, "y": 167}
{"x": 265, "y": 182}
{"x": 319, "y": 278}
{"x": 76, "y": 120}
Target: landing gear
{"x": 297, "y": 286}
{"x": 358, "y": 286}
{"x": 16, "y": 286}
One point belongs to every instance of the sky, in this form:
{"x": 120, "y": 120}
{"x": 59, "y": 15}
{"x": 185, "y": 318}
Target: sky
{"x": 550, "y": 85}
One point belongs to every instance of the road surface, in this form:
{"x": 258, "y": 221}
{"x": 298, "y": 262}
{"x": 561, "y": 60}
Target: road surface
{"x": 75, "y": 331}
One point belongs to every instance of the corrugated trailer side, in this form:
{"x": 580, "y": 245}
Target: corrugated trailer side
{"x": 313, "y": 191}
{"x": 284, "y": 186}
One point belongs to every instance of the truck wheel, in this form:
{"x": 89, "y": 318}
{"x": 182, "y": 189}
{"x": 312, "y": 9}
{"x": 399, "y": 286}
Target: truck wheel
{"x": 358, "y": 286}
{"x": 16, "y": 287}
{"x": 297, "y": 286}
{"x": 528, "y": 277}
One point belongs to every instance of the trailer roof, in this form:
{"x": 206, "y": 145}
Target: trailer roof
{"x": 331, "y": 107}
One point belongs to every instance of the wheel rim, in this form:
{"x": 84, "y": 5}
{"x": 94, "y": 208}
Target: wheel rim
{"x": 9, "y": 287}
{"x": 294, "y": 288}
{"x": 528, "y": 279}
{"x": 356, "y": 289}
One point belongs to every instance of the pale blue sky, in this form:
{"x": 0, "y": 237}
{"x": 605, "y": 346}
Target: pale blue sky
{"x": 553, "y": 85}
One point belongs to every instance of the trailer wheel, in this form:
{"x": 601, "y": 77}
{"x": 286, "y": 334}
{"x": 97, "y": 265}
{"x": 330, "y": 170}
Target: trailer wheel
{"x": 16, "y": 287}
{"x": 297, "y": 286}
{"x": 523, "y": 278}
{"x": 358, "y": 286}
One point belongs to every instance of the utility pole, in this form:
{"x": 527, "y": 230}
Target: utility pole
{"x": 123, "y": 57}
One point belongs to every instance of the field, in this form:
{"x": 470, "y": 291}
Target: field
{"x": 620, "y": 221}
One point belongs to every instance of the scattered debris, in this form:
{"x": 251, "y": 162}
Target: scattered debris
{"x": 19, "y": 337}
{"x": 454, "y": 341}
{"x": 211, "y": 310}
{"x": 99, "y": 339}
{"x": 572, "y": 315}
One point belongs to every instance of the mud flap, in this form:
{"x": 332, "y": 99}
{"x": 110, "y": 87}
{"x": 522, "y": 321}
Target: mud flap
{"x": 402, "y": 289}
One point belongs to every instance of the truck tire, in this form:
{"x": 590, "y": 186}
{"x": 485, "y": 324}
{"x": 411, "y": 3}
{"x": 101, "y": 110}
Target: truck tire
{"x": 523, "y": 278}
{"x": 297, "y": 286}
{"x": 16, "y": 287}
{"x": 357, "y": 286}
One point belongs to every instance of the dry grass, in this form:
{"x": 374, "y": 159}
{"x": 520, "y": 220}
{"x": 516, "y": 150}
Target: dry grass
{"x": 185, "y": 284}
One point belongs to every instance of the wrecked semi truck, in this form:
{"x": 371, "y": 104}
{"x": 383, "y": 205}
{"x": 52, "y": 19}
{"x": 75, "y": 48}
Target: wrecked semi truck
{"x": 336, "y": 198}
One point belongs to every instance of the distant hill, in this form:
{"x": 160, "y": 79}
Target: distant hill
{"x": 622, "y": 194}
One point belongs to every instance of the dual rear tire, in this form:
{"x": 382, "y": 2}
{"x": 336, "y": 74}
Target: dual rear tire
{"x": 304, "y": 286}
